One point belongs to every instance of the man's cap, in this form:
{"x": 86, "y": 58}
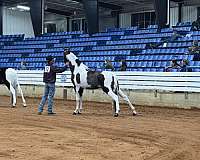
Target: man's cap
{"x": 49, "y": 58}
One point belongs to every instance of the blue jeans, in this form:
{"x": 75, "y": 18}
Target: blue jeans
{"x": 49, "y": 92}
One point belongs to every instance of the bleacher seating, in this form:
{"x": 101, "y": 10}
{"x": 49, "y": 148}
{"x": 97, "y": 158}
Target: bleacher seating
{"x": 116, "y": 43}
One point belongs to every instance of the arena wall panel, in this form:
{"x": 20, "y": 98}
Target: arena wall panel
{"x": 165, "y": 89}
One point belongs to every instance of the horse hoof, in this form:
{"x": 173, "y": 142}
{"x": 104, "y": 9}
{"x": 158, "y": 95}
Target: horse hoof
{"x": 24, "y": 105}
{"x": 13, "y": 106}
{"x": 74, "y": 113}
{"x": 134, "y": 114}
{"x": 79, "y": 112}
{"x": 116, "y": 115}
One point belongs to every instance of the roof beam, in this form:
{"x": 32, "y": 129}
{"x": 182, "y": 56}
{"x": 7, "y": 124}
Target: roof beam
{"x": 133, "y": 1}
{"x": 12, "y": 2}
{"x": 110, "y": 6}
{"x": 51, "y": 10}
{"x": 177, "y": 0}
{"x": 105, "y": 5}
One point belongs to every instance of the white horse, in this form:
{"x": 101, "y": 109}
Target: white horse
{"x": 83, "y": 78}
{"x": 10, "y": 79}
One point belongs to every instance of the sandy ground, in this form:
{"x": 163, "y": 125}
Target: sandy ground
{"x": 159, "y": 134}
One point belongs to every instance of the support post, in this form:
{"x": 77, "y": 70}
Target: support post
{"x": 162, "y": 11}
{"x": 37, "y": 15}
{"x": 180, "y": 12}
{"x": 92, "y": 15}
{"x": 1, "y": 19}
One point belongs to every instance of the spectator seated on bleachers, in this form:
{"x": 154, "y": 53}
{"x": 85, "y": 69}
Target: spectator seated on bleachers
{"x": 123, "y": 66}
{"x": 174, "y": 67}
{"x": 196, "y": 24}
{"x": 194, "y": 48}
{"x": 108, "y": 65}
{"x": 175, "y": 35}
{"x": 23, "y": 65}
{"x": 185, "y": 67}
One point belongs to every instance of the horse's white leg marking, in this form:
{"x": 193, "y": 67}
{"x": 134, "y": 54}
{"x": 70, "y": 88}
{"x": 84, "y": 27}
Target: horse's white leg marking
{"x": 115, "y": 98}
{"x": 80, "y": 104}
{"x": 13, "y": 92}
{"x": 125, "y": 97}
{"x": 20, "y": 90}
{"x": 77, "y": 100}
{"x": 81, "y": 99}
{"x": 15, "y": 87}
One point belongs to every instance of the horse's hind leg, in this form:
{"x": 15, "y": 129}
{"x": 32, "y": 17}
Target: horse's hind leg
{"x": 114, "y": 106}
{"x": 114, "y": 103}
{"x": 115, "y": 99}
{"x": 13, "y": 94}
{"x": 20, "y": 90}
{"x": 78, "y": 100}
{"x": 125, "y": 97}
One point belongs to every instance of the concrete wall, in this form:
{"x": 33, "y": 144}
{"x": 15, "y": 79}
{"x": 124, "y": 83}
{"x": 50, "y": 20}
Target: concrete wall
{"x": 144, "y": 98}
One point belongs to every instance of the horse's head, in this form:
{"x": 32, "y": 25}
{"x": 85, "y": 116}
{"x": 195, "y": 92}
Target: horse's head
{"x": 66, "y": 52}
{"x": 71, "y": 58}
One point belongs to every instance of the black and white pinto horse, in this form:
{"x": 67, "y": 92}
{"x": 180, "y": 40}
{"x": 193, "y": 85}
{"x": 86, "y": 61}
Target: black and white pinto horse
{"x": 8, "y": 76}
{"x": 82, "y": 78}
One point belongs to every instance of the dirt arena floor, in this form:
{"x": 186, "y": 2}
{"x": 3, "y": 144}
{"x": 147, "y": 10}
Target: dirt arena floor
{"x": 159, "y": 134}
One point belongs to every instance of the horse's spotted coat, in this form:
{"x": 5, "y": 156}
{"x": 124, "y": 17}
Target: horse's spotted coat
{"x": 82, "y": 78}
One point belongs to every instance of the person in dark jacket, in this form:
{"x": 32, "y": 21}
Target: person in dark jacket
{"x": 123, "y": 65}
{"x": 49, "y": 78}
{"x": 108, "y": 65}
{"x": 174, "y": 66}
{"x": 185, "y": 66}
{"x": 196, "y": 25}
{"x": 194, "y": 48}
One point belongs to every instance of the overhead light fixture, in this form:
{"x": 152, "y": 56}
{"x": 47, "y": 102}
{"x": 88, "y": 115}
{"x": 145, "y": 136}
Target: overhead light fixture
{"x": 72, "y": 1}
{"x": 12, "y": 8}
{"x": 23, "y": 7}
